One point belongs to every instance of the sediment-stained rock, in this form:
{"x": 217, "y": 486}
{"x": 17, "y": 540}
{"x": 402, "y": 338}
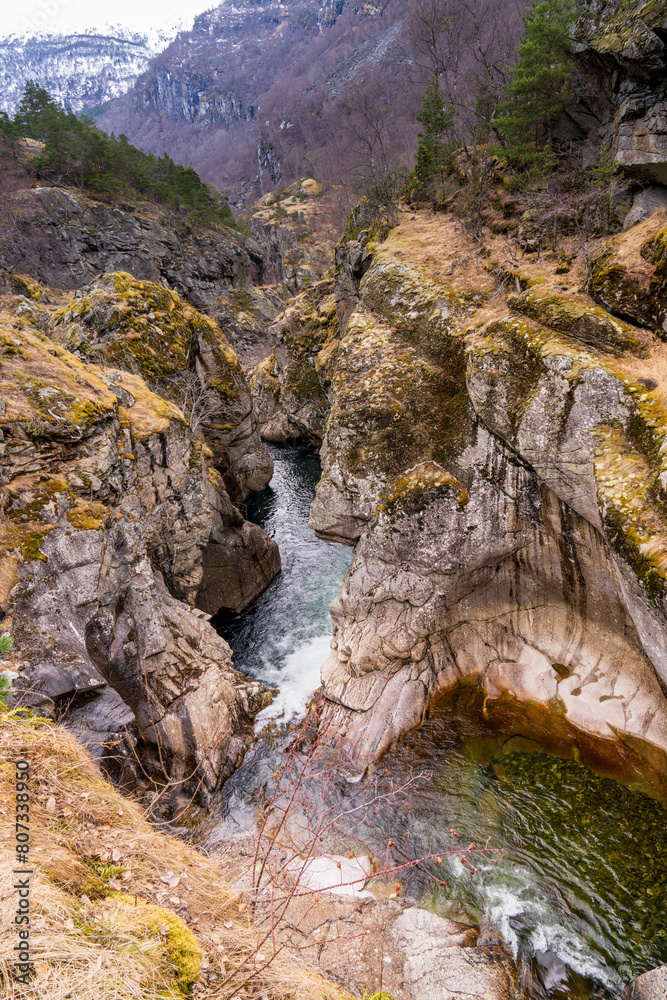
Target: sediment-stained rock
{"x": 504, "y": 485}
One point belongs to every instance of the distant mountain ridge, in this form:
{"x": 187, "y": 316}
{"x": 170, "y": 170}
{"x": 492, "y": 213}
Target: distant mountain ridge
{"x": 258, "y": 87}
{"x": 81, "y": 70}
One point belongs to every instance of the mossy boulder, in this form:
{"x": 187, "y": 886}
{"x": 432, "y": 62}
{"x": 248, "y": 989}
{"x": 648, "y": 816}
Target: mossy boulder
{"x": 588, "y": 324}
{"x": 146, "y": 329}
{"x": 622, "y": 29}
{"x": 629, "y": 274}
{"x": 137, "y": 325}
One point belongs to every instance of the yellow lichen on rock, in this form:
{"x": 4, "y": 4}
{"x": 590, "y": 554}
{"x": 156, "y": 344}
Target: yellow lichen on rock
{"x": 149, "y": 413}
{"x": 418, "y": 484}
{"x": 42, "y": 386}
{"x": 577, "y": 319}
{"x": 636, "y": 526}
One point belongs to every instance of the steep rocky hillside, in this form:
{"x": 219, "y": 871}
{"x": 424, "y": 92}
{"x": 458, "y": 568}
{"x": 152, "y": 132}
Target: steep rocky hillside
{"x": 79, "y": 71}
{"x": 117, "y": 522}
{"x": 258, "y": 87}
{"x": 492, "y": 443}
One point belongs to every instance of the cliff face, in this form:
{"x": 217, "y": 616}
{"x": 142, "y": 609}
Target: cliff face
{"x": 64, "y": 238}
{"x": 185, "y": 96}
{"x": 116, "y": 523}
{"x": 256, "y": 91}
{"x": 623, "y": 52}
{"x": 497, "y": 461}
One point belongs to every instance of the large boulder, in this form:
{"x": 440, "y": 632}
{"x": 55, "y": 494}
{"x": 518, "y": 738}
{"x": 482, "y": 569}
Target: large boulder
{"x": 650, "y": 986}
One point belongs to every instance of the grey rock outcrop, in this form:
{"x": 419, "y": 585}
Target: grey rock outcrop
{"x": 66, "y": 238}
{"x": 645, "y": 202}
{"x": 183, "y": 355}
{"x": 623, "y": 53}
{"x": 109, "y": 513}
{"x": 502, "y": 483}
{"x": 290, "y": 387}
{"x": 439, "y": 963}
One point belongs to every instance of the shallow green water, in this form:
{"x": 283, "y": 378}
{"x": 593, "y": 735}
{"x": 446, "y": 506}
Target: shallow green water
{"x": 580, "y": 895}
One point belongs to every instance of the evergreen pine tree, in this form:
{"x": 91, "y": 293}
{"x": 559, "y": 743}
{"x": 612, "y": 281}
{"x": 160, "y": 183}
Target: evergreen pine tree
{"x": 432, "y": 150}
{"x": 539, "y": 82}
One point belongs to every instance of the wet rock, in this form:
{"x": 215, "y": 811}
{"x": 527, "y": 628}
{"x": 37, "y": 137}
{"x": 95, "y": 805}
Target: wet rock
{"x": 436, "y": 963}
{"x": 237, "y": 569}
{"x": 650, "y": 986}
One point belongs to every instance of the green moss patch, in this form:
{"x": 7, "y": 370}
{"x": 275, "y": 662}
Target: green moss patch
{"x": 589, "y": 324}
{"x": 420, "y": 486}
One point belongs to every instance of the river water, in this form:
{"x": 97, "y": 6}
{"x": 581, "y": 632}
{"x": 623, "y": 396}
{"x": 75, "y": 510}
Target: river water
{"x": 580, "y": 894}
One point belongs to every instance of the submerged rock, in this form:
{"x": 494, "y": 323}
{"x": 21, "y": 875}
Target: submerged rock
{"x": 651, "y": 986}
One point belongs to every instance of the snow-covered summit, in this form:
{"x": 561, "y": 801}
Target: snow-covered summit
{"x": 82, "y": 70}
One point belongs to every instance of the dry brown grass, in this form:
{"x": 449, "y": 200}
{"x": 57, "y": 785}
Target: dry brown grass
{"x": 105, "y": 925}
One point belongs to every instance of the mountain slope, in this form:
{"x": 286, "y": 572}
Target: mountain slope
{"x": 80, "y": 70}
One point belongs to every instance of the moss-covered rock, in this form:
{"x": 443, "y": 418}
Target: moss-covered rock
{"x": 290, "y": 386}
{"x": 629, "y": 275}
{"x": 583, "y": 322}
{"x": 146, "y": 329}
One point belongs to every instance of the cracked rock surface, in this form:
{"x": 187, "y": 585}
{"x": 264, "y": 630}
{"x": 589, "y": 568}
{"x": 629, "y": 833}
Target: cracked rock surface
{"x": 115, "y": 524}
{"x": 498, "y": 465}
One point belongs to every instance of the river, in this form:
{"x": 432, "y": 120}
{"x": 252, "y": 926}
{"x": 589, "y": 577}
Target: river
{"x": 580, "y": 894}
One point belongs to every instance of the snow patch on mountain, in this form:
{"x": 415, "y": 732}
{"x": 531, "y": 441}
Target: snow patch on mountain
{"x": 80, "y": 70}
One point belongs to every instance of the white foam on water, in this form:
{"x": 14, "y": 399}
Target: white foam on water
{"x": 502, "y": 902}
{"x": 298, "y": 677}
{"x": 571, "y": 950}
{"x": 501, "y": 905}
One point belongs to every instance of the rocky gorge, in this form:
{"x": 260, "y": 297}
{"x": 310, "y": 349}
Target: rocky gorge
{"x": 488, "y": 400}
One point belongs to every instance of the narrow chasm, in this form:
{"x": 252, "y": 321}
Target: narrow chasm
{"x": 578, "y": 894}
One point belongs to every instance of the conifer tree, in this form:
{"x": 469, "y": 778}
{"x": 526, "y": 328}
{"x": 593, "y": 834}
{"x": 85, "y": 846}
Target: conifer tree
{"x": 540, "y": 81}
{"x": 432, "y": 149}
